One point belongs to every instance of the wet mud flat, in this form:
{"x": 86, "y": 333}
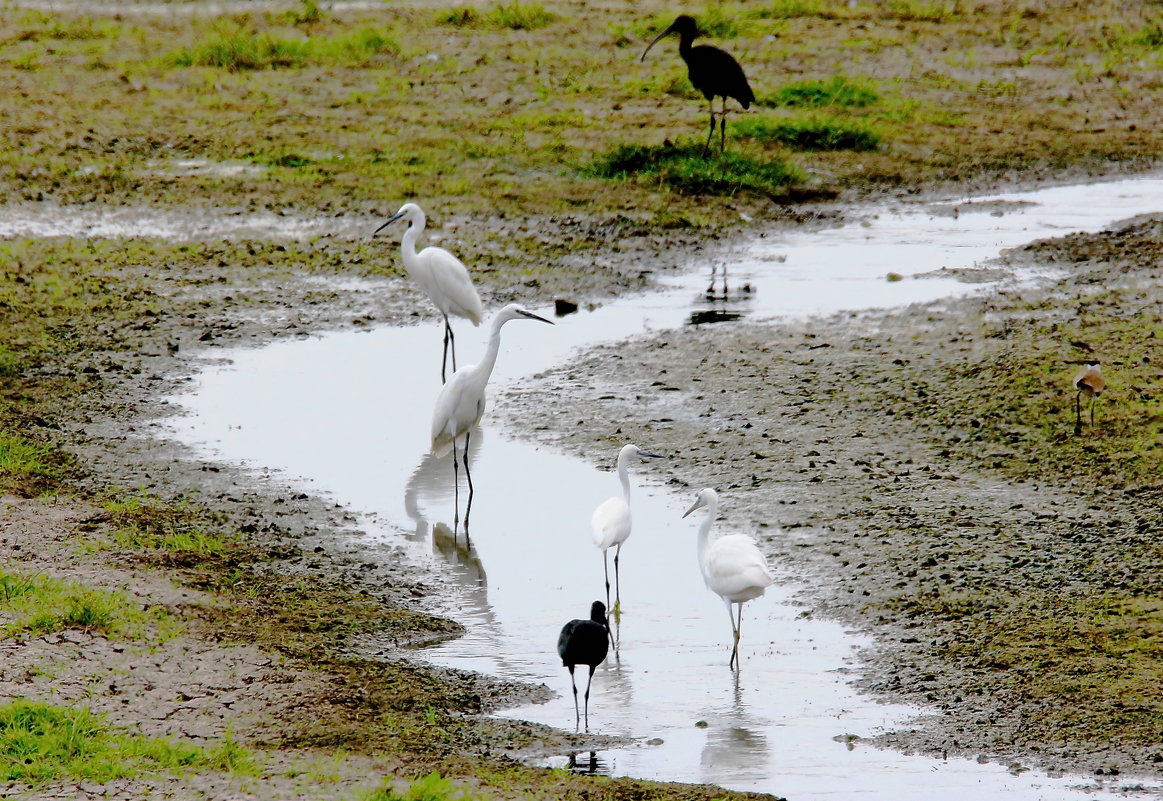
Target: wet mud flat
{"x": 847, "y": 446}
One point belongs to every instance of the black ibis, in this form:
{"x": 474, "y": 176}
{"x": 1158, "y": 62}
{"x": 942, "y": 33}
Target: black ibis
{"x": 584, "y": 642}
{"x": 713, "y": 72}
{"x": 1090, "y": 383}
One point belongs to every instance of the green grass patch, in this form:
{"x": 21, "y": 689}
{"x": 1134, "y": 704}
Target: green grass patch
{"x": 837, "y": 91}
{"x": 1078, "y": 666}
{"x": 432, "y": 787}
{"x": 504, "y": 16}
{"x": 40, "y": 605}
{"x": 41, "y": 743}
{"x": 152, "y": 525}
{"x": 28, "y": 468}
{"x": 792, "y": 9}
{"x": 244, "y": 49}
{"x": 815, "y": 134}
{"x": 683, "y": 168}
{"x": 1023, "y": 405}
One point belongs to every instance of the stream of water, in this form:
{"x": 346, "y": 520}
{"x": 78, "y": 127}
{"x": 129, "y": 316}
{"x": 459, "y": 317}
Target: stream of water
{"x": 347, "y": 414}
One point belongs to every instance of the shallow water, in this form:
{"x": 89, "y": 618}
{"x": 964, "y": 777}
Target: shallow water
{"x": 348, "y": 413}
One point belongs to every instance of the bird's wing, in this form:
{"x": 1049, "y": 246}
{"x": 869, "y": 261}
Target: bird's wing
{"x": 735, "y": 565}
{"x": 449, "y": 285}
{"x": 716, "y": 72}
{"x": 564, "y": 638}
{"x": 610, "y": 523}
{"x": 447, "y": 412}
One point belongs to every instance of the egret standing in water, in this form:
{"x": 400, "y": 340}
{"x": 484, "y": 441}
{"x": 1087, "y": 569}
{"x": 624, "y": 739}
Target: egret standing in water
{"x": 712, "y": 71}
{"x": 441, "y": 275}
{"x": 584, "y": 642}
{"x": 461, "y": 403}
{"x": 610, "y": 523}
{"x": 732, "y": 565}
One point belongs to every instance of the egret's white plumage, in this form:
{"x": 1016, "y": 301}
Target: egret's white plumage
{"x": 441, "y": 275}
{"x": 732, "y": 565}
{"x": 611, "y": 522}
{"x": 461, "y": 401}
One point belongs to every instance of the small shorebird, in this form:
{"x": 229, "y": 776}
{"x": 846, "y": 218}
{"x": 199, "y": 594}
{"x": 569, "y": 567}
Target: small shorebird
{"x": 1090, "y": 383}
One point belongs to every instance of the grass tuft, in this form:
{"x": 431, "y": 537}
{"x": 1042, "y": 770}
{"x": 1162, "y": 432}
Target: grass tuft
{"x": 836, "y": 91}
{"x": 812, "y": 134}
{"x": 514, "y": 16}
{"x": 40, "y": 743}
{"x": 150, "y": 525}
{"x": 243, "y": 50}
{"x": 28, "y": 468}
{"x": 683, "y": 168}
{"x": 41, "y": 605}
{"x": 432, "y": 787}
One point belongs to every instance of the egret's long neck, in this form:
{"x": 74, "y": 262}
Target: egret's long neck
{"x": 624, "y": 477}
{"x": 489, "y": 360}
{"x": 705, "y": 527}
{"x": 415, "y": 228}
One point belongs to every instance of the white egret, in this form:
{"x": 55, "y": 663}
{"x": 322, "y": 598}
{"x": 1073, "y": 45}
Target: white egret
{"x": 1090, "y": 383}
{"x": 732, "y": 565}
{"x": 610, "y": 524}
{"x": 441, "y": 275}
{"x": 584, "y": 642}
{"x": 461, "y": 402}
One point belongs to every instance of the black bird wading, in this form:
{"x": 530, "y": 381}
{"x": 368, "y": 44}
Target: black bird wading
{"x": 713, "y": 72}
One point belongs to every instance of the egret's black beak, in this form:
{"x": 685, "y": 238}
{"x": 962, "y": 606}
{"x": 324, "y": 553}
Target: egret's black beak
{"x": 652, "y": 44}
{"x": 697, "y": 505}
{"x": 530, "y": 315}
{"x": 385, "y": 225}
{"x": 651, "y": 455}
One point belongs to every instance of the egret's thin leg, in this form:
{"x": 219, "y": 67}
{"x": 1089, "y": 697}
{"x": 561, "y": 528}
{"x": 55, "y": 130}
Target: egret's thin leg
{"x": 444, "y": 355}
{"x": 617, "y": 582}
{"x": 738, "y": 634}
{"x": 1093, "y": 398}
{"x": 468, "y": 475}
{"x": 455, "y": 493}
{"x": 734, "y": 634}
{"x": 576, "y": 712}
{"x": 588, "y": 683}
{"x": 724, "y": 281}
{"x": 606, "y": 565}
{"x": 1078, "y": 413}
{"x": 451, "y": 341}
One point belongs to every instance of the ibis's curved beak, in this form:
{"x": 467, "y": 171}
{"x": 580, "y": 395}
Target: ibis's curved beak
{"x": 698, "y": 504}
{"x": 652, "y": 44}
{"x": 530, "y": 315}
{"x": 389, "y": 222}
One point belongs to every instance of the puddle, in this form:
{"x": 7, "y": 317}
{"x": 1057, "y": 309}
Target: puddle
{"x": 178, "y": 225}
{"x": 348, "y": 414}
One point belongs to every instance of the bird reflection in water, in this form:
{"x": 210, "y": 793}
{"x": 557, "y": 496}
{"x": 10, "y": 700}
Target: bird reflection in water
{"x": 736, "y": 745}
{"x": 428, "y": 486}
{"x": 588, "y": 764}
